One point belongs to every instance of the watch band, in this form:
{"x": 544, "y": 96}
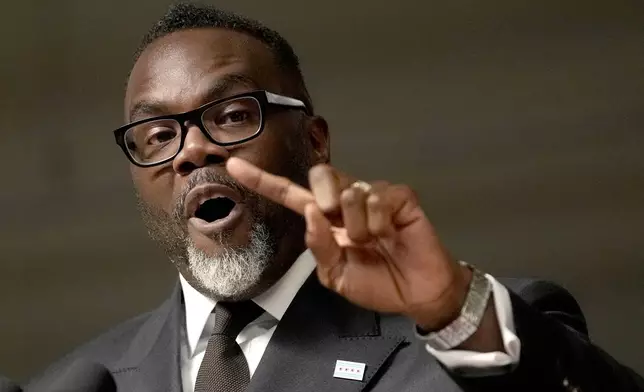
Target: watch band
{"x": 466, "y": 324}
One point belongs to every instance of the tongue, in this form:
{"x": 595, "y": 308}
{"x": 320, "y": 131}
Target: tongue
{"x": 215, "y": 209}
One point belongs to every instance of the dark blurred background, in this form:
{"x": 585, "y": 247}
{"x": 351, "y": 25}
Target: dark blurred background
{"x": 519, "y": 123}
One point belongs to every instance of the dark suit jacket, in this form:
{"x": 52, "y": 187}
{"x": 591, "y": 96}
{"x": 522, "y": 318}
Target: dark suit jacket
{"x": 7, "y": 385}
{"x": 320, "y": 327}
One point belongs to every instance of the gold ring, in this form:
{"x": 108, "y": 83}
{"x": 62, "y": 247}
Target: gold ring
{"x": 364, "y": 186}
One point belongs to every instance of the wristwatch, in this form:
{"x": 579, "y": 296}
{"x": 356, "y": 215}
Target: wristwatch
{"x": 472, "y": 312}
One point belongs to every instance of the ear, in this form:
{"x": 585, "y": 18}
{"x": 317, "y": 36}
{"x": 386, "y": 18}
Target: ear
{"x": 318, "y": 131}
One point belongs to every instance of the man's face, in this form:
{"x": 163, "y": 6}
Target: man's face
{"x": 237, "y": 244}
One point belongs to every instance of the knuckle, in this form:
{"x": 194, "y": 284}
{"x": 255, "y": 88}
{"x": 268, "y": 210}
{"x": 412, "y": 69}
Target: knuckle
{"x": 407, "y": 192}
{"x": 374, "y": 201}
{"x": 282, "y": 194}
{"x": 282, "y": 189}
{"x": 349, "y": 196}
{"x": 380, "y": 185}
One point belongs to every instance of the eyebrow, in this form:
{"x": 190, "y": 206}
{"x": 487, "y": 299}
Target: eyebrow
{"x": 217, "y": 90}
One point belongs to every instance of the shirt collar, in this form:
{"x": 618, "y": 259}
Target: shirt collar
{"x": 275, "y": 300}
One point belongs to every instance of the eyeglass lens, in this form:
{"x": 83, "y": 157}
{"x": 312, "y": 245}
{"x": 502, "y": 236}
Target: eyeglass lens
{"x": 227, "y": 122}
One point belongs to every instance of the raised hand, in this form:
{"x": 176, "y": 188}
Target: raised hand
{"x": 372, "y": 242}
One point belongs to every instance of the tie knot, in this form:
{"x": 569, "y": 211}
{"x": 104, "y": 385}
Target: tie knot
{"x": 232, "y": 317}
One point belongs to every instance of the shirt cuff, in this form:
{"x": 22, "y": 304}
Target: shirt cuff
{"x": 472, "y": 363}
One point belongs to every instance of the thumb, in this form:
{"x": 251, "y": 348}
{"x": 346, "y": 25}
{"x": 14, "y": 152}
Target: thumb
{"x": 320, "y": 238}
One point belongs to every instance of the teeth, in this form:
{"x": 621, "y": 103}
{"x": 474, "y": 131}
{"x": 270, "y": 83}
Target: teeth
{"x": 211, "y": 198}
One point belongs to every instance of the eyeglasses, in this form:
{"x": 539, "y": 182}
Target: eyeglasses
{"x": 225, "y": 122}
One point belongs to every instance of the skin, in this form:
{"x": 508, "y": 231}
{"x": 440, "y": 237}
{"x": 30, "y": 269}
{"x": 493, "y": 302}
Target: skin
{"x": 378, "y": 249}
{"x": 179, "y": 72}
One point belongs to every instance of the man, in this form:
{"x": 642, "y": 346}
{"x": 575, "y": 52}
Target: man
{"x": 294, "y": 275}
{"x": 7, "y": 385}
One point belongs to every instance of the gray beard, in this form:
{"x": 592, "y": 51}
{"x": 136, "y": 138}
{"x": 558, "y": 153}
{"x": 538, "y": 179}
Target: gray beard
{"x": 234, "y": 273}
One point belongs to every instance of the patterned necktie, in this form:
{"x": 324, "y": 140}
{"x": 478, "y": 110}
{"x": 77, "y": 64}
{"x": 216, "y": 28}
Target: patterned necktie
{"x": 224, "y": 367}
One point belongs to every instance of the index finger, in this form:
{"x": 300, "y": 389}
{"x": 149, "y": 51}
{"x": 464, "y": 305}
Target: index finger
{"x": 279, "y": 189}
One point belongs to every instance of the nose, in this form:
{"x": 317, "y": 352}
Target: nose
{"x": 198, "y": 152}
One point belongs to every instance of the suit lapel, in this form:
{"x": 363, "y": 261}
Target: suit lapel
{"x": 152, "y": 363}
{"x": 318, "y": 329}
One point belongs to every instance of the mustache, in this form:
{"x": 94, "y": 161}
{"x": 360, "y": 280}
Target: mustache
{"x": 208, "y": 175}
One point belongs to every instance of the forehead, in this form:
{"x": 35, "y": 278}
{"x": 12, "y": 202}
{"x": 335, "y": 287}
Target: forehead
{"x": 180, "y": 68}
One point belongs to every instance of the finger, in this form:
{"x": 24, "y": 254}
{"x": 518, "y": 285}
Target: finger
{"x": 402, "y": 203}
{"x": 320, "y": 238}
{"x": 327, "y": 184}
{"x": 279, "y": 189}
{"x": 390, "y": 207}
{"x": 379, "y": 215}
{"x": 354, "y": 214}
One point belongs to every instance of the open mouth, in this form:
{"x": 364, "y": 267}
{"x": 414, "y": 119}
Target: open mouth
{"x": 214, "y": 209}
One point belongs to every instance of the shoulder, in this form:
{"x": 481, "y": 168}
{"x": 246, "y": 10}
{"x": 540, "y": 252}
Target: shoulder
{"x": 107, "y": 348}
{"x": 110, "y": 344}
{"x": 124, "y": 343}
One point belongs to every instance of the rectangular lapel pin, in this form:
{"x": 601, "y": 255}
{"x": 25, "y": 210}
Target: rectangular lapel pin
{"x": 349, "y": 370}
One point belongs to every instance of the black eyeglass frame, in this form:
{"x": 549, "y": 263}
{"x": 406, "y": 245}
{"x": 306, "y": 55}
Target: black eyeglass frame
{"x": 195, "y": 117}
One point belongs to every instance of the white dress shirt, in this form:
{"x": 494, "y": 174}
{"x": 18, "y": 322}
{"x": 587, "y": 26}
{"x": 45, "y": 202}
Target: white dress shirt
{"x": 255, "y": 337}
